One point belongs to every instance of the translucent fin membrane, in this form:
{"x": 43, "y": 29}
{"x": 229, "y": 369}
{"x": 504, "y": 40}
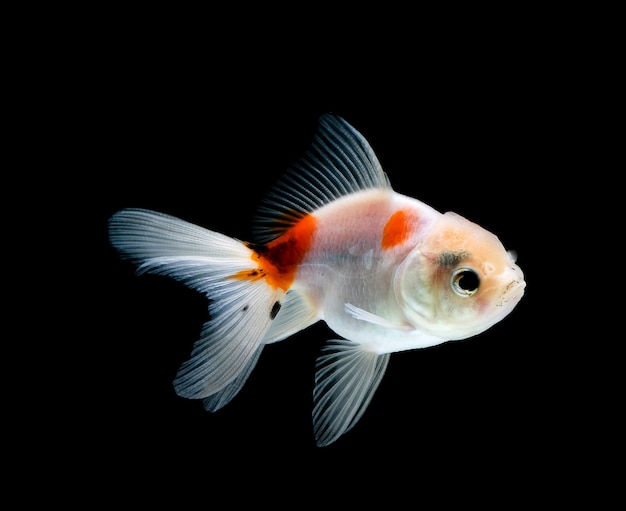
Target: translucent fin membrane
{"x": 339, "y": 162}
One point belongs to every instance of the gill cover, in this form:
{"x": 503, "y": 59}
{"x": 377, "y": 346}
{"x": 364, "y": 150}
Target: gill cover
{"x": 451, "y": 285}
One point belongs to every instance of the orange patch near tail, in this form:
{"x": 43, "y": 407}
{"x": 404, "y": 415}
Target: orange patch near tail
{"x": 398, "y": 228}
{"x": 279, "y": 259}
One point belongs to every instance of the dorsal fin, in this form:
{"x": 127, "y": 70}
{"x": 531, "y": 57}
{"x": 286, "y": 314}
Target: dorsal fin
{"x": 339, "y": 162}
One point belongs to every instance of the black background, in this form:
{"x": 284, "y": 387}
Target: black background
{"x": 199, "y": 125}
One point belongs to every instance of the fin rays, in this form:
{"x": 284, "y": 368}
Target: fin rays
{"x": 229, "y": 340}
{"x": 345, "y": 381}
{"x": 222, "y": 397}
{"x": 339, "y": 162}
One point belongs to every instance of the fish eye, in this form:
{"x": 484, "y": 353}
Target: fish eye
{"x": 464, "y": 282}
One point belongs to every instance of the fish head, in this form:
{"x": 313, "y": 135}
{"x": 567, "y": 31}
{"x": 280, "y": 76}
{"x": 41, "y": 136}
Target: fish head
{"x": 458, "y": 281}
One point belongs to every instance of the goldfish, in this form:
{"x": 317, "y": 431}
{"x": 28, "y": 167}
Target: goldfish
{"x": 333, "y": 242}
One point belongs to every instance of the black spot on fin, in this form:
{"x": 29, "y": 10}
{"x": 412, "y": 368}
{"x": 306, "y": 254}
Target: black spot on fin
{"x": 275, "y": 309}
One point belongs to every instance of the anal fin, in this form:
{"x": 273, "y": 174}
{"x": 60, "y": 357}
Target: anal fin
{"x": 347, "y": 375}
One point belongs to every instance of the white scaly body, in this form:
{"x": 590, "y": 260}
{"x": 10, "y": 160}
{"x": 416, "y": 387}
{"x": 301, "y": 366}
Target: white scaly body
{"x": 347, "y": 270}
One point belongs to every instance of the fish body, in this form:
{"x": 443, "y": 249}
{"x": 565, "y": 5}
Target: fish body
{"x": 377, "y": 273}
{"x": 334, "y": 243}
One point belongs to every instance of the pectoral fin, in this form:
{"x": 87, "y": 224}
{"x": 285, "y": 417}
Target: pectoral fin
{"x": 363, "y": 315}
{"x": 345, "y": 381}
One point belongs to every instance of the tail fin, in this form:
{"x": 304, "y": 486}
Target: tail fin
{"x": 241, "y": 310}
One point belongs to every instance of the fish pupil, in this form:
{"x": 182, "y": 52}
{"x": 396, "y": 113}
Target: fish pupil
{"x": 468, "y": 281}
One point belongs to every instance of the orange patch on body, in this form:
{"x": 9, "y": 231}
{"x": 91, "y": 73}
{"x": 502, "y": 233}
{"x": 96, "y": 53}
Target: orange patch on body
{"x": 398, "y": 228}
{"x": 279, "y": 259}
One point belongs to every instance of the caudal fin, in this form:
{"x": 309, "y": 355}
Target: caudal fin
{"x": 241, "y": 310}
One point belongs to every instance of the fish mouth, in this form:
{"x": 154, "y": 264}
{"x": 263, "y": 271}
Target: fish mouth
{"x": 514, "y": 285}
{"x": 513, "y": 291}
